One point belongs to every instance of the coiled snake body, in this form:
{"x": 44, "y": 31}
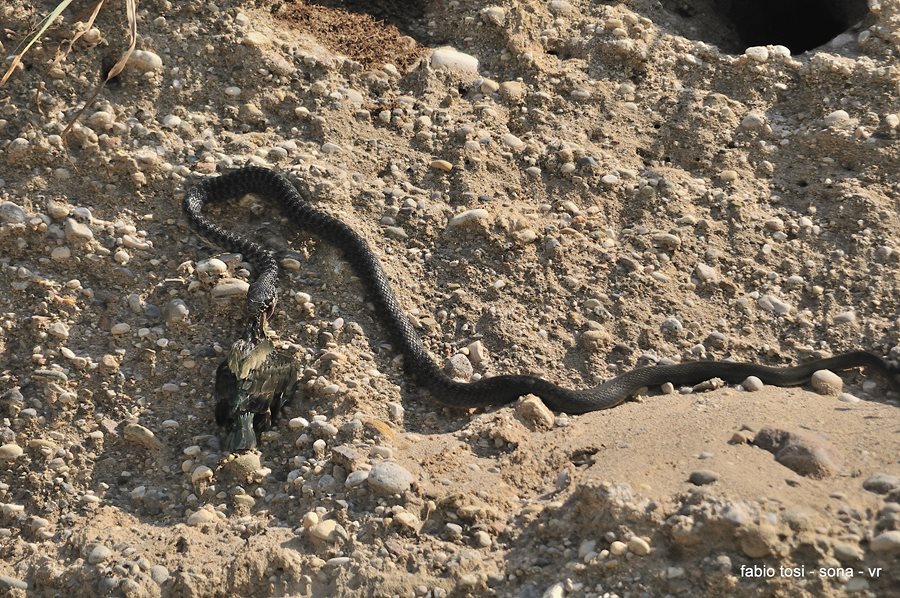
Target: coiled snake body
{"x": 255, "y": 381}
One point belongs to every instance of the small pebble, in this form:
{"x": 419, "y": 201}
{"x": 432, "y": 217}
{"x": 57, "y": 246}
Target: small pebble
{"x": 557, "y": 590}
{"x": 535, "y": 413}
{"x": 212, "y": 265}
{"x": 144, "y": 60}
{"x": 58, "y": 330}
{"x": 442, "y": 165}
{"x": 838, "y": 117}
{"x": 201, "y": 517}
{"x": 804, "y": 453}
{"x": 175, "y": 311}
{"x": 847, "y": 317}
{"x": 337, "y": 561}
{"x": 298, "y": 423}
{"x": 846, "y": 397}
{"x": 12, "y": 583}
{"x": 140, "y": 435}
{"x": 752, "y": 384}
{"x": 159, "y": 574}
{"x": 757, "y": 53}
{"x": 826, "y": 382}
{"x": 886, "y": 542}
{"x": 326, "y": 531}
{"x": 468, "y": 218}
{"x": 60, "y": 253}
{"x": 702, "y": 477}
{"x": 459, "y": 367}
{"x": 356, "y": 478}
{"x": 201, "y": 473}
{"x": 512, "y": 141}
{"x": 706, "y": 274}
{"x": 489, "y": 86}
{"x": 77, "y": 232}
{"x": 774, "y": 305}
{"x": 513, "y": 91}
{"x": 408, "y": 520}
{"x": 638, "y": 546}
{"x": 754, "y": 121}
{"x": 310, "y": 520}
{"x": 10, "y": 452}
{"x": 845, "y": 551}
{"x": 230, "y": 287}
{"x": 449, "y": 58}
{"x": 389, "y": 478}
{"x": 120, "y": 328}
{"x": 882, "y": 483}
{"x": 99, "y": 554}
{"x": 11, "y": 213}
{"x": 493, "y": 15}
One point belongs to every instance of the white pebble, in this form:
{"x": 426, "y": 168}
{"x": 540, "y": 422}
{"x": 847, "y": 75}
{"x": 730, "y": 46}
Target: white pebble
{"x": 638, "y": 546}
{"x": 298, "y": 423}
{"x": 120, "y": 328}
{"x": 609, "y": 179}
{"x": 77, "y": 231}
{"x": 826, "y": 382}
{"x": 230, "y": 287}
{"x": 752, "y": 384}
{"x": 449, "y": 58}
{"x": 10, "y": 452}
{"x": 201, "y": 517}
{"x": 389, "y": 478}
{"x": 468, "y": 218}
{"x": 846, "y": 397}
{"x": 512, "y": 141}
{"x": 201, "y": 473}
{"x": 838, "y": 117}
{"x": 212, "y": 265}
{"x": 757, "y": 53}
{"x": 144, "y": 60}
{"x": 99, "y": 554}
{"x": 493, "y": 15}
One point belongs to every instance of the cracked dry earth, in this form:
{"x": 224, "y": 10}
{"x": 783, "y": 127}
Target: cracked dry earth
{"x": 574, "y": 189}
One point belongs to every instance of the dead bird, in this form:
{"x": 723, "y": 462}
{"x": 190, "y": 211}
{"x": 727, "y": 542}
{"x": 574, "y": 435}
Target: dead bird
{"x": 255, "y": 381}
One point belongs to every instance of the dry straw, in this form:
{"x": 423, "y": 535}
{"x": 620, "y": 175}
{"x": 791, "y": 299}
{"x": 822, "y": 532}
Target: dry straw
{"x": 131, "y": 15}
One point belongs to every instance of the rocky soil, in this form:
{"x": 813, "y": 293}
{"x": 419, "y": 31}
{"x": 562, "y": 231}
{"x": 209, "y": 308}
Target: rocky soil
{"x": 565, "y": 188}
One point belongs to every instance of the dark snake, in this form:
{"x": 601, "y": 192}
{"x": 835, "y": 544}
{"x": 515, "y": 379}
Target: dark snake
{"x": 255, "y": 381}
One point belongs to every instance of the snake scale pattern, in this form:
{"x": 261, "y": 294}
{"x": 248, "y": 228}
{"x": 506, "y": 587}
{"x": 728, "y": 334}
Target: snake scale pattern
{"x": 255, "y": 381}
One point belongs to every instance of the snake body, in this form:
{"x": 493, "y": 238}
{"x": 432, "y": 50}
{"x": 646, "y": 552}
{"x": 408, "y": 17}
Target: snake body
{"x": 487, "y": 391}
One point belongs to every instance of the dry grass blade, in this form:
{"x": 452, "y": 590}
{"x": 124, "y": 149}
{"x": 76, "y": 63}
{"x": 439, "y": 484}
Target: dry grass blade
{"x": 131, "y": 14}
{"x": 60, "y": 55}
{"x": 48, "y": 20}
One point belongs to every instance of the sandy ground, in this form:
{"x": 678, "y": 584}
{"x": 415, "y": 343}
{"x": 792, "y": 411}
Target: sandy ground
{"x": 601, "y": 190}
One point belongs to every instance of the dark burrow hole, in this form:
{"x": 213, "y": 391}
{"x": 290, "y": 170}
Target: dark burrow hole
{"x": 734, "y": 25}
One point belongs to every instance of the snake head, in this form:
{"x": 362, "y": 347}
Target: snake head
{"x": 262, "y": 297}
